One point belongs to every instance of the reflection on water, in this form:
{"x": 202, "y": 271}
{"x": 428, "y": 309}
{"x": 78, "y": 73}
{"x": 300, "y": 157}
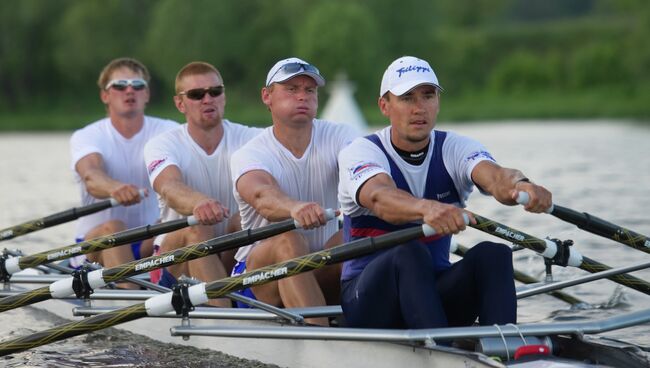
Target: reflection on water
{"x": 599, "y": 167}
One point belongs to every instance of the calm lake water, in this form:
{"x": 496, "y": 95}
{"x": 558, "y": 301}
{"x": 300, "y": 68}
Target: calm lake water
{"x": 598, "y": 167}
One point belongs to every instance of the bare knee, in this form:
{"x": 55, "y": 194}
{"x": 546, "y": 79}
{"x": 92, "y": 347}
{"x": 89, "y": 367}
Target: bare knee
{"x": 290, "y": 245}
{"x": 107, "y": 228}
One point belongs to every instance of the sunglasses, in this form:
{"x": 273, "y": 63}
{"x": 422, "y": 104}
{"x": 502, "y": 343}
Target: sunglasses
{"x": 295, "y": 68}
{"x": 122, "y": 84}
{"x": 198, "y": 93}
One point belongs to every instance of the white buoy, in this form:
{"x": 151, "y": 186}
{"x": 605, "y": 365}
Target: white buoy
{"x": 341, "y": 106}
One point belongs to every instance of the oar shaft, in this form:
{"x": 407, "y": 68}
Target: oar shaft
{"x": 540, "y": 246}
{"x": 191, "y": 252}
{"x": 603, "y": 228}
{"x": 630, "y": 281}
{"x": 103, "y": 243}
{"x": 71, "y": 329}
{"x": 581, "y": 280}
{"x": 55, "y": 219}
{"x": 525, "y": 278}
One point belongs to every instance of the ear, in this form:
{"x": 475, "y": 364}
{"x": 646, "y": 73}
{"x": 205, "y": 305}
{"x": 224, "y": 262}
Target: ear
{"x": 103, "y": 95}
{"x": 148, "y": 95}
{"x": 384, "y": 106}
{"x": 180, "y": 105}
{"x": 266, "y": 96}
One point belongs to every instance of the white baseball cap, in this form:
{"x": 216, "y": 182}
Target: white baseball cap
{"x": 406, "y": 73}
{"x": 288, "y": 68}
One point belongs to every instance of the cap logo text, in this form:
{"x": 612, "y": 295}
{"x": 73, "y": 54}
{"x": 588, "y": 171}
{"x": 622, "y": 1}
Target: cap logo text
{"x": 412, "y": 68}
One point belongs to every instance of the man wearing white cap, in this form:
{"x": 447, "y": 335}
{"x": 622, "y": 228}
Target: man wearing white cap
{"x": 290, "y": 171}
{"x": 409, "y": 173}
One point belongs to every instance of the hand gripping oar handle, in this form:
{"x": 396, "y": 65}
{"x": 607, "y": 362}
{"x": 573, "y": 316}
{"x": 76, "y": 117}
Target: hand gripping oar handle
{"x": 58, "y": 218}
{"x": 98, "y": 278}
{"x": 523, "y": 198}
{"x": 596, "y": 225}
{"x": 16, "y": 264}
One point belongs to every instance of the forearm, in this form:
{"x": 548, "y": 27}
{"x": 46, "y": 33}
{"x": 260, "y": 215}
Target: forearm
{"x": 99, "y": 184}
{"x": 181, "y": 198}
{"x": 396, "y": 206}
{"x": 505, "y": 182}
{"x": 272, "y": 203}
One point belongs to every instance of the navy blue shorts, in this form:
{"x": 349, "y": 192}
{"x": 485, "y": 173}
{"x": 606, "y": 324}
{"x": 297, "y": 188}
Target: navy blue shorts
{"x": 240, "y": 268}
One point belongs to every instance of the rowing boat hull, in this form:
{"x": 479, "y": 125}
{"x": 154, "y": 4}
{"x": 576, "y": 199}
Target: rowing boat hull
{"x": 292, "y": 352}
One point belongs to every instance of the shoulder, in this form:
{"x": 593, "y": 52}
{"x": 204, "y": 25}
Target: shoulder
{"x": 360, "y": 149}
{"x": 167, "y": 139}
{"x": 91, "y": 131}
{"x": 241, "y": 130}
{"x": 256, "y": 146}
{"x": 464, "y": 148}
{"x": 326, "y": 125}
{"x": 160, "y": 125}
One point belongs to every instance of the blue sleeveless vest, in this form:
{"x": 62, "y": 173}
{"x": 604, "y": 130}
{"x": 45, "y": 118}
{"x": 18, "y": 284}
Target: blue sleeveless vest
{"x": 439, "y": 186}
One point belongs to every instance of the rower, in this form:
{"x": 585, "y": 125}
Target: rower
{"x": 107, "y": 158}
{"x": 409, "y": 173}
{"x": 189, "y": 169}
{"x": 289, "y": 171}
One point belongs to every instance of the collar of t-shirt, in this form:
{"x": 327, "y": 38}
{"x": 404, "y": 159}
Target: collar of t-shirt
{"x": 414, "y": 158}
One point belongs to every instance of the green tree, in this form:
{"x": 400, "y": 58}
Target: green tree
{"x": 25, "y": 51}
{"x": 91, "y": 33}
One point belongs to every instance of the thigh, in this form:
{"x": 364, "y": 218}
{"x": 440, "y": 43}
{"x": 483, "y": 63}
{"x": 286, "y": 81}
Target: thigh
{"x": 371, "y": 299}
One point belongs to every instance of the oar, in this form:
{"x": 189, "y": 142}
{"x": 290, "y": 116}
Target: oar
{"x": 561, "y": 254}
{"x": 461, "y": 250}
{"x": 58, "y": 218}
{"x": 201, "y": 293}
{"x": 101, "y": 277}
{"x": 596, "y": 225}
{"x": 15, "y": 264}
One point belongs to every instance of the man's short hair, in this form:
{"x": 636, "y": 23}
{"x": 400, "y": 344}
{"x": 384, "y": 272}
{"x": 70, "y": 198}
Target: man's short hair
{"x": 129, "y": 63}
{"x": 195, "y": 68}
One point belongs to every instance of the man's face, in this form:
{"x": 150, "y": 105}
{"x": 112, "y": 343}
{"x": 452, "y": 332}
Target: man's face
{"x": 128, "y": 102}
{"x": 294, "y": 101}
{"x": 412, "y": 116}
{"x": 206, "y": 112}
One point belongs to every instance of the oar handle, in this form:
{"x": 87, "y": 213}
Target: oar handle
{"x": 142, "y": 192}
{"x": 330, "y": 214}
{"x": 523, "y": 198}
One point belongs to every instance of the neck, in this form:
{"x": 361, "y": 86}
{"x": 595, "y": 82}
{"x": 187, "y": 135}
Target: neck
{"x": 295, "y": 138}
{"x": 127, "y": 126}
{"x": 207, "y": 138}
{"x": 407, "y": 145}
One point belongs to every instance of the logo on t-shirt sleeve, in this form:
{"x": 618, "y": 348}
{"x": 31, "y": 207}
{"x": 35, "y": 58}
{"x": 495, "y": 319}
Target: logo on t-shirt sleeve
{"x": 362, "y": 168}
{"x": 480, "y": 155}
{"x": 154, "y": 164}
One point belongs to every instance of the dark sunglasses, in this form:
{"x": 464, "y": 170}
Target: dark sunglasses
{"x": 199, "y": 93}
{"x": 295, "y": 68}
{"x": 122, "y": 84}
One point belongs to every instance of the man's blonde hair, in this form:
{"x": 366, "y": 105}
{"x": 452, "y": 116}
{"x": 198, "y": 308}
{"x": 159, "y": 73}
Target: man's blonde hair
{"x": 129, "y": 63}
{"x": 195, "y": 68}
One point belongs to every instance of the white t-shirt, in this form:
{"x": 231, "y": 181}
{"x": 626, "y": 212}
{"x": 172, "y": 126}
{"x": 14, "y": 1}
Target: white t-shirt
{"x": 208, "y": 174}
{"x": 310, "y": 178}
{"x": 362, "y": 160}
{"x": 123, "y": 161}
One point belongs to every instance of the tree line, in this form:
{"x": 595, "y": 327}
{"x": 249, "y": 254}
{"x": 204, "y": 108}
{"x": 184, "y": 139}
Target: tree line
{"x": 51, "y": 51}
